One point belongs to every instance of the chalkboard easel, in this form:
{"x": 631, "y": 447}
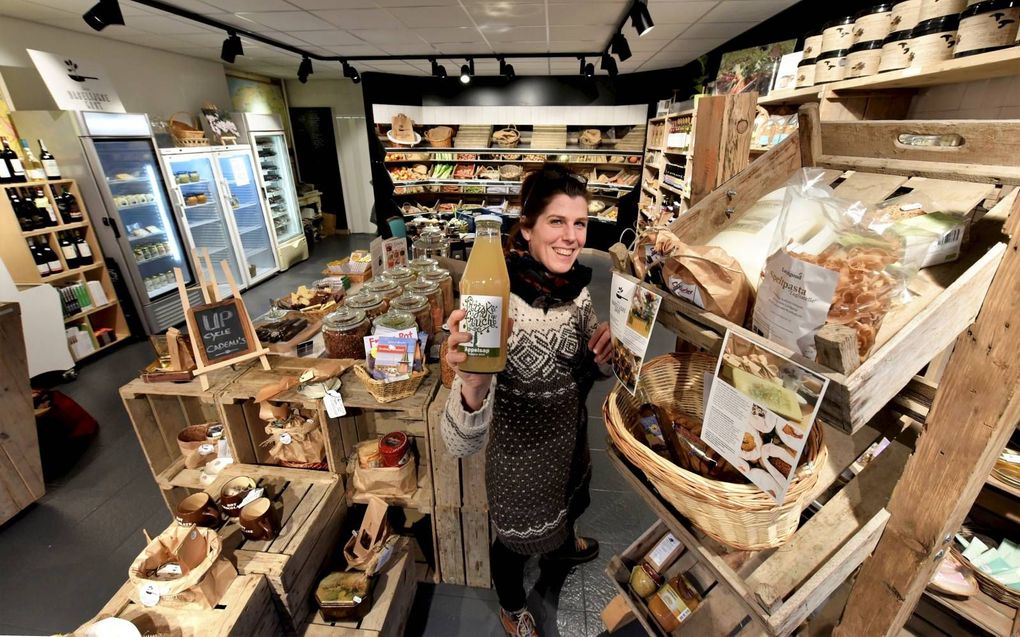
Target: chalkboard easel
{"x": 221, "y": 331}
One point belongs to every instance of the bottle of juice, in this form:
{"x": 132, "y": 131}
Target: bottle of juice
{"x": 485, "y": 298}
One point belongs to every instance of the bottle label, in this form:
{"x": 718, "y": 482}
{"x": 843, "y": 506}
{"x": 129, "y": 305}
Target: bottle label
{"x": 50, "y": 166}
{"x": 483, "y": 320}
{"x": 4, "y": 172}
{"x": 55, "y": 266}
{"x": 16, "y": 166}
{"x": 69, "y": 254}
{"x": 84, "y": 249}
{"x": 43, "y": 268}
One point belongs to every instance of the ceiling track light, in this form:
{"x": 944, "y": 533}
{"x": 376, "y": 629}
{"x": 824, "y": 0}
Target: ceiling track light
{"x": 620, "y": 47}
{"x": 587, "y": 68}
{"x": 103, "y": 14}
{"x": 467, "y": 71}
{"x": 231, "y": 48}
{"x": 640, "y": 18}
{"x": 438, "y": 70}
{"x": 506, "y": 70}
{"x": 351, "y": 72}
{"x": 609, "y": 65}
{"x": 304, "y": 70}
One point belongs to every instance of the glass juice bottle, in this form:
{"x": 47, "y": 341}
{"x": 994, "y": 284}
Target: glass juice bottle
{"x": 485, "y": 298}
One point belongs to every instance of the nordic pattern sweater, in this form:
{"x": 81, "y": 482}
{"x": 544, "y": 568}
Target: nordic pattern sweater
{"x": 537, "y": 463}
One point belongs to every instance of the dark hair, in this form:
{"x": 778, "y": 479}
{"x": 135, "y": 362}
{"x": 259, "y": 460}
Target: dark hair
{"x": 538, "y": 190}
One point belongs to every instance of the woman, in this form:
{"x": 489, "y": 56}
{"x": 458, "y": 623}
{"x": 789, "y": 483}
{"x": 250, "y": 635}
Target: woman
{"x": 533, "y": 413}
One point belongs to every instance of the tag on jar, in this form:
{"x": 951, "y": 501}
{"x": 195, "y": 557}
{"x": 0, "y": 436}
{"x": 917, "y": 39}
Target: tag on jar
{"x": 357, "y": 600}
{"x": 206, "y": 449}
{"x": 285, "y": 439}
{"x": 334, "y": 404}
{"x": 148, "y": 595}
{"x": 253, "y": 495}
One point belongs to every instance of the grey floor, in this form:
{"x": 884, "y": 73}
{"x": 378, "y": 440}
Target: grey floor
{"x": 65, "y": 556}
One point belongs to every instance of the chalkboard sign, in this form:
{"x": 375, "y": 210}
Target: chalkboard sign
{"x": 223, "y": 330}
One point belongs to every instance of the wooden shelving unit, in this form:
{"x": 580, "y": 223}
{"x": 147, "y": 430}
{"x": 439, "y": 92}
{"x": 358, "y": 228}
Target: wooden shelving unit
{"x": 18, "y": 259}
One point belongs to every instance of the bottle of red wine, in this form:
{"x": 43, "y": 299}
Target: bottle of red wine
{"x": 23, "y": 220}
{"x": 43, "y": 203}
{"x": 84, "y": 251}
{"x": 50, "y": 166}
{"x": 12, "y": 163}
{"x": 67, "y": 248}
{"x": 41, "y": 262}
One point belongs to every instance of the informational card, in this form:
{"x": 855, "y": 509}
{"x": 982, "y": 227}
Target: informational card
{"x": 632, "y": 312}
{"x": 759, "y": 412}
{"x": 395, "y": 252}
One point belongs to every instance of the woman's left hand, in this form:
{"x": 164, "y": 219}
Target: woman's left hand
{"x": 601, "y": 343}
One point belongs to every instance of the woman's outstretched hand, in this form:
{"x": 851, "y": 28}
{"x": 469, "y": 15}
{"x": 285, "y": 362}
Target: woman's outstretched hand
{"x": 474, "y": 387}
{"x": 601, "y": 343}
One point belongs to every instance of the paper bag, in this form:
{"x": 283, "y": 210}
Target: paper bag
{"x": 385, "y": 481}
{"x": 364, "y": 549}
{"x": 299, "y": 442}
{"x": 206, "y": 578}
{"x": 709, "y": 278}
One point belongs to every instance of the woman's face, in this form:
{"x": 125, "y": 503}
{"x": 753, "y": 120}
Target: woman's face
{"x": 559, "y": 233}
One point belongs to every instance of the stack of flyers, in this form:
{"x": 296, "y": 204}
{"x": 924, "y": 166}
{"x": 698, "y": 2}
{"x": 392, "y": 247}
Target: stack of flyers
{"x": 393, "y": 358}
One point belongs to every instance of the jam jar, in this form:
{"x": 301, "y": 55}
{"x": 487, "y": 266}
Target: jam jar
{"x": 393, "y": 321}
{"x": 344, "y": 331}
{"x": 418, "y": 307}
{"x": 401, "y": 275}
{"x": 430, "y": 291}
{"x": 445, "y": 281}
{"x": 422, "y": 265}
{"x": 384, "y": 287}
{"x": 372, "y": 305}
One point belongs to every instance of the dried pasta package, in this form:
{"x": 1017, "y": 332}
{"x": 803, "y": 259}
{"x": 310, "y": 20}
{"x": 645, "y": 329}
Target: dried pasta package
{"x": 832, "y": 261}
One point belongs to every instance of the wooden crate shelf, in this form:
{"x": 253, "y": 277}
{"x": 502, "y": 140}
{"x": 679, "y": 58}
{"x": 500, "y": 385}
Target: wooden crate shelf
{"x": 983, "y": 611}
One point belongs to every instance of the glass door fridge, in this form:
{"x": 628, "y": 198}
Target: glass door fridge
{"x": 199, "y": 203}
{"x": 239, "y": 192}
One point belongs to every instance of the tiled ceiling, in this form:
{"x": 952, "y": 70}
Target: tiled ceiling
{"x": 684, "y": 29}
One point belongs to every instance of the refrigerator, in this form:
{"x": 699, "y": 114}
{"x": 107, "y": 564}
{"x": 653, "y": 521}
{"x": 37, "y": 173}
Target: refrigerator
{"x": 218, "y": 201}
{"x": 265, "y": 135}
{"x": 113, "y": 158}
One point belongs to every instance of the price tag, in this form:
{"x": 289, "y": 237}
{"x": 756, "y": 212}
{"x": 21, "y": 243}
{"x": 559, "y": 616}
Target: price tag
{"x": 253, "y": 495}
{"x": 206, "y": 449}
{"x": 334, "y": 404}
{"x": 148, "y": 595}
{"x": 357, "y": 600}
{"x": 285, "y": 439}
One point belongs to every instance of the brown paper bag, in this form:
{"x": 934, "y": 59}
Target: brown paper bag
{"x": 645, "y": 256}
{"x": 205, "y": 579}
{"x": 707, "y": 277}
{"x": 362, "y": 551}
{"x": 385, "y": 481}
{"x": 299, "y": 442}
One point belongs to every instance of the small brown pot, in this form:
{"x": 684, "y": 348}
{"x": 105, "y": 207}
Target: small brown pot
{"x": 233, "y": 492}
{"x": 191, "y": 438}
{"x": 258, "y": 520}
{"x": 198, "y": 509}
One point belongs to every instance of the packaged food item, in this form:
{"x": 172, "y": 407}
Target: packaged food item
{"x": 644, "y": 581}
{"x": 707, "y": 277}
{"x": 674, "y": 603}
{"x": 666, "y": 551}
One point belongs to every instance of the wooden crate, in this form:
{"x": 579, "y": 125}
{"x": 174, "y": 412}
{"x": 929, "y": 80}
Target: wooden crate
{"x": 947, "y": 297}
{"x": 458, "y": 482}
{"x": 240, "y": 413}
{"x": 246, "y": 610}
{"x": 393, "y": 597}
{"x": 159, "y": 411}
{"x": 420, "y": 500}
{"x": 777, "y": 589}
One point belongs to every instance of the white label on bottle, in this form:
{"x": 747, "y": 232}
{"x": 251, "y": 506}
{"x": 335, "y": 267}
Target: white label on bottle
{"x": 43, "y": 268}
{"x": 483, "y": 321}
{"x": 69, "y": 253}
{"x": 40, "y": 202}
{"x": 83, "y": 249}
{"x": 4, "y": 172}
{"x": 16, "y": 167}
{"x": 50, "y": 166}
{"x": 55, "y": 266}
{"x": 148, "y": 595}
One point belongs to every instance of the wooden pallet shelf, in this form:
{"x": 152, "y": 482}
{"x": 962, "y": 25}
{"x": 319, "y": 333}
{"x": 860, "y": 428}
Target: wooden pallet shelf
{"x": 982, "y": 611}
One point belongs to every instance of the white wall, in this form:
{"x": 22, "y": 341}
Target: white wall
{"x": 147, "y": 80}
{"x": 350, "y": 128}
{"x": 525, "y": 115}
{"x": 984, "y": 99}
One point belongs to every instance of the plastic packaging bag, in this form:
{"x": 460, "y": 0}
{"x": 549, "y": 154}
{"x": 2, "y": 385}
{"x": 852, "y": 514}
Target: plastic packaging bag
{"x": 832, "y": 261}
{"x": 709, "y": 278}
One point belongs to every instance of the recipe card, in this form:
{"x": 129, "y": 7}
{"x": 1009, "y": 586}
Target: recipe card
{"x": 632, "y": 312}
{"x": 759, "y": 412}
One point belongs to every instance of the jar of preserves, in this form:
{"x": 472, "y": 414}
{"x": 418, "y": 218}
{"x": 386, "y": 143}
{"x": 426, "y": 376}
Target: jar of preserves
{"x": 418, "y": 307}
{"x": 393, "y": 321}
{"x": 344, "y": 332}
{"x": 674, "y": 603}
{"x": 384, "y": 287}
{"x": 445, "y": 281}
{"x": 644, "y": 580}
{"x": 401, "y": 275}
{"x": 422, "y": 265}
{"x": 430, "y": 291}
{"x": 371, "y": 304}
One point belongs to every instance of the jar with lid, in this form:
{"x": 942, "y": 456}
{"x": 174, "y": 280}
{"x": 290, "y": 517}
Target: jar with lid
{"x": 393, "y": 321}
{"x": 371, "y": 304}
{"x": 644, "y": 580}
{"x": 384, "y": 287}
{"x": 401, "y": 275}
{"x": 673, "y": 603}
{"x": 445, "y": 281}
{"x": 343, "y": 333}
{"x": 434, "y": 294}
{"x": 421, "y": 265}
{"x": 431, "y": 244}
{"x": 418, "y": 306}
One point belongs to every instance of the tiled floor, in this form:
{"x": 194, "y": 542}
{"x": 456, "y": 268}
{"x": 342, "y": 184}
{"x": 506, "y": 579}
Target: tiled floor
{"x": 76, "y": 543}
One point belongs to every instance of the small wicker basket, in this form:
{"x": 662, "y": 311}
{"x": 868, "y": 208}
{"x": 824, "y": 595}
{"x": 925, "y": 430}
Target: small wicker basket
{"x": 389, "y": 392}
{"x": 185, "y": 135}
{"x": 739, "y": 515}
{"x": 510, "y": 172}
{"x": 507, "y": 137}
{"x": 440, "y": 137}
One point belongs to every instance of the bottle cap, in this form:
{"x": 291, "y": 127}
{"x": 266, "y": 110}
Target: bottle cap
{"x": 492, "y": 218}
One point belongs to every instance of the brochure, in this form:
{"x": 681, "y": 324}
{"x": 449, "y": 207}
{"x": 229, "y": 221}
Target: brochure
{"x": 632, "y": 312}
{"x": 392, "y": 358}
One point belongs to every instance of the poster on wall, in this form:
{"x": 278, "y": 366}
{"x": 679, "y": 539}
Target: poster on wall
{"x": 263, "y": 97}
{"x": 76, "y": 83}
{"x": 750, "y": 69}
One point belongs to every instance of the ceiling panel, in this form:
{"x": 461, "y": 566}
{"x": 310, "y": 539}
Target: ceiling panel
{"x": 313, "y": 5}
{"x": 432, "y": 16}
{"x": 328, "y": 38}
{"x": 287, "y": 20}
{"x": 358, "y": 18}
{"x": 672, "y": 12}
{"x": 568, "y": 14}
{"x": 744, "y": 11}
{"x": 506, "y": 13}
{"x": 455, "y": 35}
{"x": 249, "y": 5}
{"x": 514, "y": 34}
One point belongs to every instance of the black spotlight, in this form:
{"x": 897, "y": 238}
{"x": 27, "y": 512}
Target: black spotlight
{"x": 582, "y": 69}
{"x": 506, "y": 70}
{"x": 105, "y": 13}
{"x": 304, "y": 70}
{"x": 467, "y": 70}
{"x": 640, "y": 18}
{"x": 438, "y": 70}
{"x": 231, "y": 48}
{"x": 589, "y": 70}
{"x": 609, "y": 65}
{"x": 620, "y": 47}
{"x": 350, "y": 72}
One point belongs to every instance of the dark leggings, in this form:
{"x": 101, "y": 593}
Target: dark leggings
{"x": 507, "y": 568}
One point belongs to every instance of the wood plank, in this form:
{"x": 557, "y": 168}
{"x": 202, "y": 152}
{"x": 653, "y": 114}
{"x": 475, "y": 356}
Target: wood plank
{"x": 392, "y": 605}
{"x": 153, "y": 443}
{"x": 933, "y": 169}
{"x": 952, "y": 197}
{"x": 449, "y": 544}
{"x": 982, "y": 610}
{"x": 290, "y": 497}
{"x": 295, "y": 526}
{"x": 738, "y": 127}
{"x": 967, "y": 427}
{"x": 21, "y": 477}
{"x": 476, "y": 548}
{"x": 232, "y": 416}
{"x": 446, "y": 475}
{"x": 170, "y": 418}
{"x": 331, "y": 435}
{"x": 472, "y": 471}
{"x": 356, "y": 396}
{"x": 869, "y": 187}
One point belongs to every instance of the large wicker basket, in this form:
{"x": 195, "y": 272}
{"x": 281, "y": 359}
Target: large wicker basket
{"x": 389, "y": 392}
{"x": 740, "y": 515}
{"x": 507, "y": 137}
{"x": 440, "y": 137}
{"x": 185, "y": 135}
{"x": 989, "y": 585}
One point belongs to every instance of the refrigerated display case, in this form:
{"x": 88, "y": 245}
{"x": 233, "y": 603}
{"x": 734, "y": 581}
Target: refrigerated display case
{"x": 114, "y": 160}
{"x": 266, "y": 136}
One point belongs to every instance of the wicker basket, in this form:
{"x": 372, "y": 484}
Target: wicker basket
{"x": 185, "y": 135}
{"x": 192, "y": 437}
{"x": 388, "y": 392}
{"x": 507, "y": 137}
{"x": 312, "y": 466}
{"x": 440, "y": 136}
{"x": 989, "y": 585}
{"x": 589, "y": 138}
{"x": 739, "y": 515}
{"x": 510, "y": 172}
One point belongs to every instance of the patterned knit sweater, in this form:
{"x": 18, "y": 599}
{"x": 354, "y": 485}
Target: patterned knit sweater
{"x": 537, "y": 464}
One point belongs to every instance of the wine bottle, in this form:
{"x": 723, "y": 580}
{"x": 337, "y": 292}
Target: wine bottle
{"x": 24, "y": 221}
{"x": 71, "y": 204}
{"x": 31, "y": 211}
{"x": 84, "y": 251}
{"x": 41, "y": 262}
{"x": 49, "y": 164}
{"x": 43, "y": 203}
{"x": 51, "y": 257}
{"x": 14, "y": 167}
{"x": 5, "y": 171}
{"x": 33, "y": 167}
{"x": 68, "y": 250}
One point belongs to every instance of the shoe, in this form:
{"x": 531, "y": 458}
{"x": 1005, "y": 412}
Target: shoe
{"x": 585, "y": 550}
{"x": 519, "y": 624}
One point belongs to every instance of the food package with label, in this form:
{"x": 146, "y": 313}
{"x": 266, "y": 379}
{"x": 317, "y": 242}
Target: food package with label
{"x": 674, "y": 603}
{"x": 830, "y": 261}
{"x": 706, "y": 276}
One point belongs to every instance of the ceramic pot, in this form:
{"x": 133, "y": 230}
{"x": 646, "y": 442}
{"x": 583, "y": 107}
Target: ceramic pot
{"x": 198, "y": 509}
{"x": 258, "y": 520}
{"x": 233, "y": 492}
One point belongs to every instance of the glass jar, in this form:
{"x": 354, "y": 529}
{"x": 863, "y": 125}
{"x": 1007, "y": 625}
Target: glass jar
{"x": 372, "y": 305}
{"x": 401, "y": 275}
{"x": 418, "y": 307}
{"x": 434, "y": 294}
{"x": 393, "y": 321}
{"x": 344, "y": 331}
{"x": 421, "y": 265}
{"x": 445, "y": 281}
{"x": 431, "y": 244}
{"x": 384, "y": 287}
